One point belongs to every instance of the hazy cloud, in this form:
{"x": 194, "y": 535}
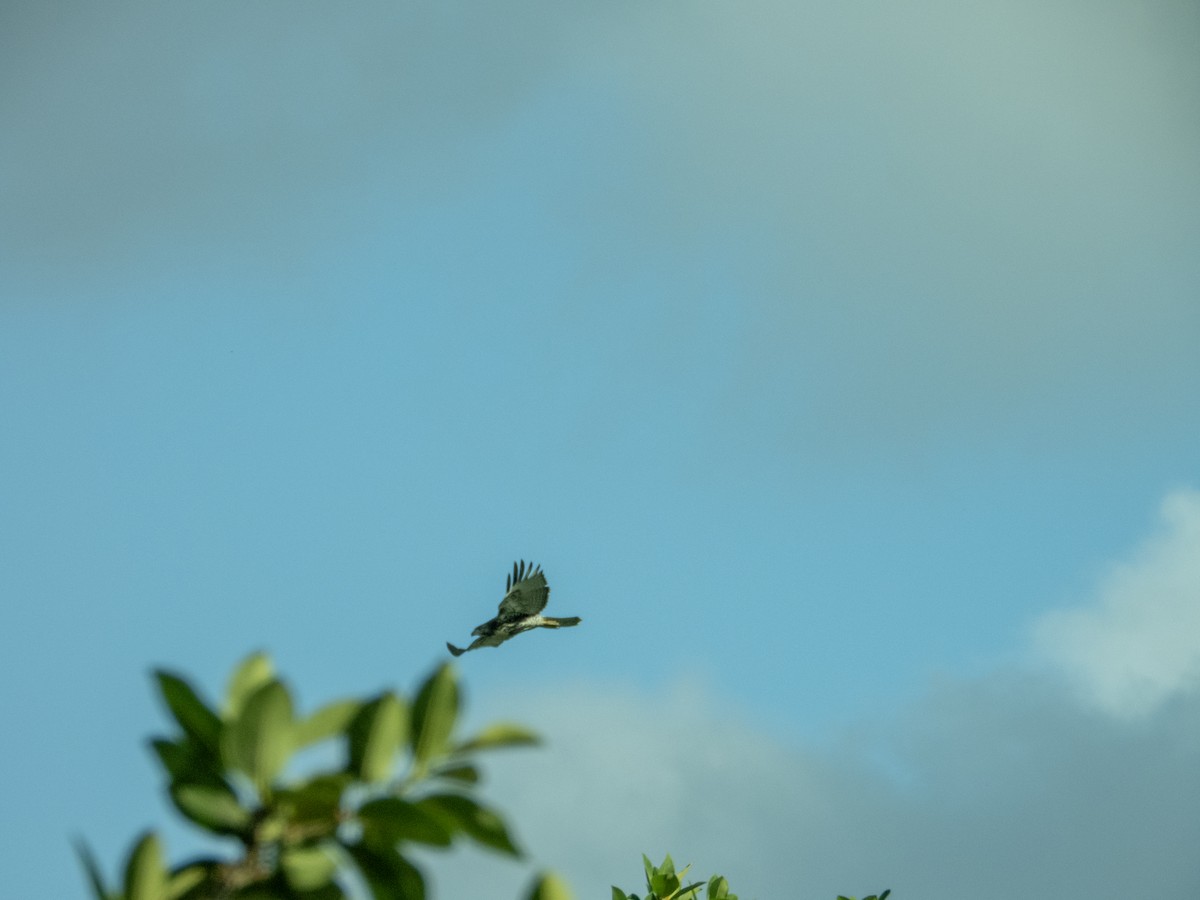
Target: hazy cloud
{"x": 935, "y": 215}
{"x": 228, "y": 125}
{"x": 992, "y": 789}
{"x": 899, "y": 220}
{"x": 1138, "y": 641}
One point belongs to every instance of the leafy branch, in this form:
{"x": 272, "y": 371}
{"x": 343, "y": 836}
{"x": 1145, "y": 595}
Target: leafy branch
{"x": 405, "y": 782}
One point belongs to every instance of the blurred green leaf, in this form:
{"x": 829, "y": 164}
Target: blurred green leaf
{"x": 145, "y": 874}
{"x": 434, "y": 712}
{"x": 329, "y": 720}
{"x": 184, "y": 879}
{"x": 388, "y": 874}
{"x": 193, "y": 714}
{"x": 186, "y": 760}
{"x": 172, "y": 755}
{"x": 466, "y": 774}
{"x": 251, "y": 674}
{"x": 328, "y": 891}
{"x": 88, "y": 861}
{"x": 388, "y": 820}
{"x": 259, "y": 741}
{"x": 308, "y": 868}
{"x": 497, "y": 735}
{"x": 214, "y": 807}
{"x": 195, "y": 879}
{"x": 317, "y": 800}
{"x": 618, "y": 894}
{"x": 478, "y": 822}
{"x": 550, "y": 887}
{"x": 375, "y": 736}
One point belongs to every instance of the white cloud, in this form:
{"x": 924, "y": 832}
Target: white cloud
{"x": 1138, "y": 641}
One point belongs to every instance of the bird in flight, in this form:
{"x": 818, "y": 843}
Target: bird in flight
{"x": 525, "y": 596}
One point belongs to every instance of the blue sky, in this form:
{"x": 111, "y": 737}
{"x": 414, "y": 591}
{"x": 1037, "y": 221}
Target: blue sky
{"x": 839, "y": 365}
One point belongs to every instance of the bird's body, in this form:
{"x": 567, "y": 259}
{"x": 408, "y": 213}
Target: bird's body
{"x": 526, "y": 595}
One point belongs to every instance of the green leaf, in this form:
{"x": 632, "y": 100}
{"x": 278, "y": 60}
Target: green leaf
{"x": 251, "y": 674}
{"x": 388, "y": 874}
{"x": 329, "y": 720}
{"x": 550, "y": 887}
{"x": 145, "y": 875}
{"x": 328, "y": 891}
{"x": 662, "y": 880}
{"x": 184, "y": 879}
{"x": 479, "y": 823}
{"x": 389, "y": 820}
{"x": 499, "y": 734}
{"x": 214, "y": 807}
{"x": 315, "y": 801}
{"x": 193, "y": 714}
{"x": 92, "y": 869}
{"x": 259, "y": 741}
{"x": 434, "y": 712}
{"x": 718, "y": 888}
{"x": 186, "y": 760}
{"x": 308, "y": 868}
{"x": 618, "y": 894}
{"x": 466, "y": 774}
{"x": 375, "y": 736}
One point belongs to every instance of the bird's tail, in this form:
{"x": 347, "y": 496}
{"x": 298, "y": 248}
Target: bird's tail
{"x": 562, "y": 623}
{"x": 457, "y": 651}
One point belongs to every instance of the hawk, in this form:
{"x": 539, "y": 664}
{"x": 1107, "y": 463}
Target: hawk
{"x": 525, "y": 596}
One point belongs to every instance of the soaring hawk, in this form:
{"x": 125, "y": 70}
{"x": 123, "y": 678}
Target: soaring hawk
{"x": 526, "y": 593}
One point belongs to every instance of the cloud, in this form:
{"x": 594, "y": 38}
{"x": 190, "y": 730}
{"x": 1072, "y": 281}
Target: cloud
{"x": 897, "y": 221}
{"x": 992, "y": 788}
{"x": 1138, "y": 641}
{"x": 224, "y": 125}
{"x": 926, "y": 217}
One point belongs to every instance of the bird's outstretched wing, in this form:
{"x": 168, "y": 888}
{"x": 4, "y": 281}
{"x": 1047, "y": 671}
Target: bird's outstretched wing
{"x": 526, "y": 592}
{"x": 491, "y": 640}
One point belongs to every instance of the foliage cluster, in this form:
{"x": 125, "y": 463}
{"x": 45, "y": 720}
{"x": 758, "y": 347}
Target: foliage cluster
{"x": 402, "y": 780}
{"x": 663, "y": 883}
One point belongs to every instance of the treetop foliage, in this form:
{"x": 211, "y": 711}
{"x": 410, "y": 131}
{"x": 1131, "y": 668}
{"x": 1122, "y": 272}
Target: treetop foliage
{"x": 404, "y": 781}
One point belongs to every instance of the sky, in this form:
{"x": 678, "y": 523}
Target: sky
{"x": 837, "y": 361}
